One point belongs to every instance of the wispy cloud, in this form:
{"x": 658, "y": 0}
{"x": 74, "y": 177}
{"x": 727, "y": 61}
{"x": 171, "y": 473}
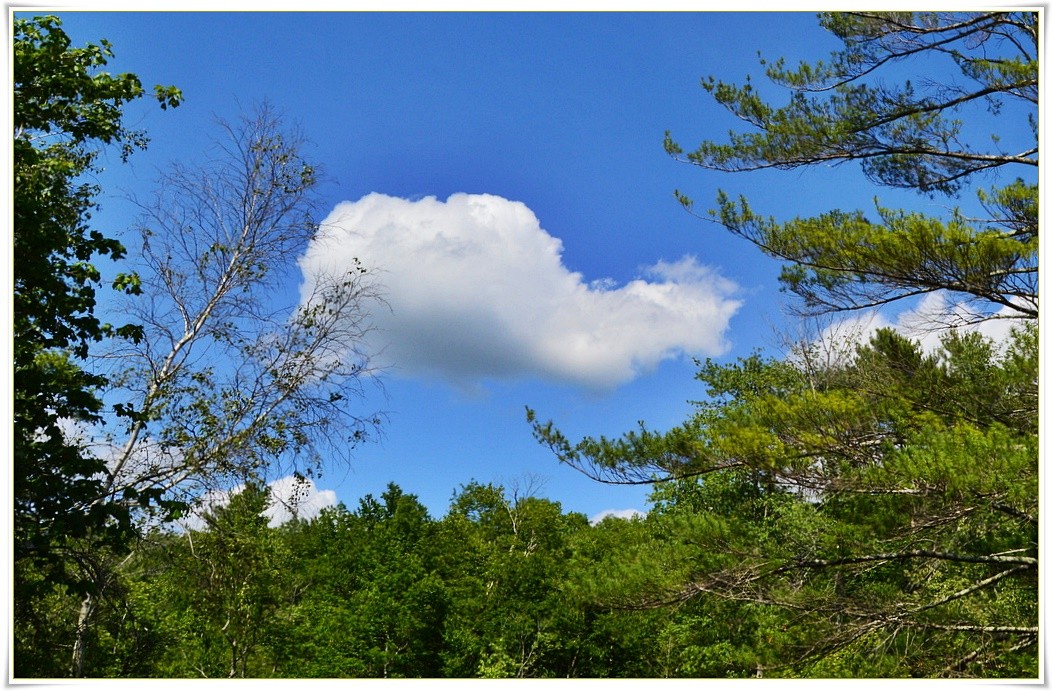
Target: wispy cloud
{"x": 477, "y": 289}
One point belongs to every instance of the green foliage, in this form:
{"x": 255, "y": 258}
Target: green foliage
{"x": 873, "y": 514}
{"x": 509, "y": 615}
{"x": 912, "y": 136}
{"x": 384, "y": 591}
{"x": 513, "y": 587}
{"x": 65, "y": 110}
{"x": 879, "y": 515}
{"x": 212, "y": 604}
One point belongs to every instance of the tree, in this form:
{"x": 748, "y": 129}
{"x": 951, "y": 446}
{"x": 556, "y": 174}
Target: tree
{"x": 207, "y": 598}
{"x": 224, "y": 387}
{"x": 223, "y": 384}
{"x": 399, "y": 605}
{"x": 236, "y": 569}
{"x": 915, "y": 136}
{"x": 885, "y": 497}
{"x": 505, "y": 559}
{"x": 370, "y": 602}
{"x": 65, "y": 112}
{"x": 890, "y": 503}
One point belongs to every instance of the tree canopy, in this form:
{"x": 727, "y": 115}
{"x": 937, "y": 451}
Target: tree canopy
{"x": 881, "y": 496}
{"x": 277, "y": 381}
{"x": 65, "y": 111}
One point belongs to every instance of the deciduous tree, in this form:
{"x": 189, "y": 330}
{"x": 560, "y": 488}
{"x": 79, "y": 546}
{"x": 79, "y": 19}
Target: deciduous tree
{"x": 66, "y": 111}
{"x": 225, "y": 385}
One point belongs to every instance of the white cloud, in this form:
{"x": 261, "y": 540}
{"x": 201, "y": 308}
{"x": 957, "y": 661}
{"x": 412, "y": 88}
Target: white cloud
{"x": 300, "y": 497}
{"x": 289, "y": 496}
{"x": 477, "y": 289}
{"x": 624, "y": 514}
{"x": 927, "y": 322}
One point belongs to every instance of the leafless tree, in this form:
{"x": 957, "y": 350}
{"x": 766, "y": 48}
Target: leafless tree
{"x": 225, "y": 384}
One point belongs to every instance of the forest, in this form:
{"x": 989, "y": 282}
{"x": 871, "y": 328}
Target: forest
{"x": 848, "y": 509}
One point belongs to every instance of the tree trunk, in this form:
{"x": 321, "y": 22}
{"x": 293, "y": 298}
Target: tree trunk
{"x": 87, "y": 609}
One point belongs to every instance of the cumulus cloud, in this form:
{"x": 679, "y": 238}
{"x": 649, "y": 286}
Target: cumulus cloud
{"x": 926, "y": 323}
{"x": 289, "y": 496}
{"x": 299, "y": 497}
{"x": 624, "y": 514}
{"x": 477, "y": 289}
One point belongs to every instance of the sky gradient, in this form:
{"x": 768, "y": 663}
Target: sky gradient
{"x": 504, "y": 176}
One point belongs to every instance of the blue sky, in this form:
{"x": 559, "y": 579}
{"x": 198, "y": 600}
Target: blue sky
{"x": 505, "y": 173}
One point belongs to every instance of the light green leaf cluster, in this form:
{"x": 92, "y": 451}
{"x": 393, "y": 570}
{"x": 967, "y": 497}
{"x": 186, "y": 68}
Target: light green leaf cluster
{"x": 886, "y": 505}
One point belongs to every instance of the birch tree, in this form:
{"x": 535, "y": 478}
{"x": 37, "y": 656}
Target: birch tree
{"x": 228, "y": 383}
{"x": 235, "y": 378}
